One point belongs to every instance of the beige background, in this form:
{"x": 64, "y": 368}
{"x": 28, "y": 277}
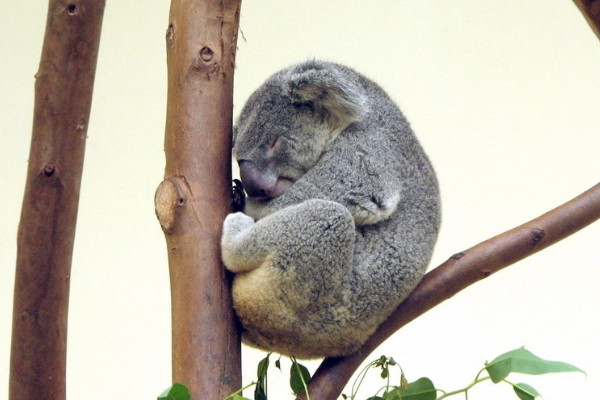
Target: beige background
{"x": 503, "y": 94}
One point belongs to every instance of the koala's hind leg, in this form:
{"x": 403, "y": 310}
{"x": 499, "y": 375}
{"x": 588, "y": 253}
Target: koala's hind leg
{"x": 310, "y": 244}
{"x": 292, "y": 274}
{"x": 315, "y": 246}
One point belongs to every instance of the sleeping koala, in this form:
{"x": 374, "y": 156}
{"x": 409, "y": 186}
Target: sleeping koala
{"x": 342, "y": 214}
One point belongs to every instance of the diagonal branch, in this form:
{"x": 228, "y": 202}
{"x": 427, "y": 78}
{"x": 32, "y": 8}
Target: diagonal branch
{"x": 591, "y": 11}
{"x": 460, "y": 271}
{"x": 468, "y": 267}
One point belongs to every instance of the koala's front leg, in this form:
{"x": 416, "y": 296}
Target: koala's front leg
{"x": 311, "y": 237}
{"x": 239, "y": 249}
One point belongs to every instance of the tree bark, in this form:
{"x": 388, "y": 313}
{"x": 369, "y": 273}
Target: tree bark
{"x": 591, "y": 11}
{"x": 195, "y": 196}
{"x": 63, "y": 95}
{"x": 460, "y": 271}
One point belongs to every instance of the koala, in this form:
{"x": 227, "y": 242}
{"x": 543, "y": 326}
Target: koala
{"x": 342, "y": 213}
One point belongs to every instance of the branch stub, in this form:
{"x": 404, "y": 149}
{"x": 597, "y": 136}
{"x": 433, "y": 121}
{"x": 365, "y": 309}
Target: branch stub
{"x": 167, "y": 199}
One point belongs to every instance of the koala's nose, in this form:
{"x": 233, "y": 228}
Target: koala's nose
{"x": 255, "y": 182}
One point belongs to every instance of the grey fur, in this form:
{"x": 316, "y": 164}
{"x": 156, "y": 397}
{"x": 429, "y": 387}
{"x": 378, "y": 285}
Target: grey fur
{"x": 346, "y": 205}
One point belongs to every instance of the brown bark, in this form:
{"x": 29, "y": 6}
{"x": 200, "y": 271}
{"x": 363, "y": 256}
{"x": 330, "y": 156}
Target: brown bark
{"x": 591, "y": 11}
{"x": 460, "y": 271}
{"x": 195, "y": 196}
{"x": 63, "y": 95}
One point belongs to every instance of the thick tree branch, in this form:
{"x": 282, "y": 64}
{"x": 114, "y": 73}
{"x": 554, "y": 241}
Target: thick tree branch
{"x": 591, "y": 11}
{"x": 63, "y": 95}
{"x": 460, "y": 271}
{"x": 195, "y": 196}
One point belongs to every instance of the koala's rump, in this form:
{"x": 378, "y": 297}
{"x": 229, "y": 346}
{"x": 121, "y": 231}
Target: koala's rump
{"x": 272, "y": 324}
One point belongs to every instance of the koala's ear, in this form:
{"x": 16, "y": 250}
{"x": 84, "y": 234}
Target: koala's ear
{"x": 334, "y": 96}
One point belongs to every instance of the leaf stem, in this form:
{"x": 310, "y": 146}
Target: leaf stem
{"x": 240, "y": 390}
{"x": 465, "y": 389}
{"x": 359, "y": 380}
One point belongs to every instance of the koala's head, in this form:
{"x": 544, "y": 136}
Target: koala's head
{"x": 288, "y": 122}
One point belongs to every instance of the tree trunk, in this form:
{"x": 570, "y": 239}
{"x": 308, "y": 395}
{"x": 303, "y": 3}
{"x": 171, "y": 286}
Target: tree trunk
{"x": 63, "y": 95}
{"x": 195, "y": 196}
{"x": 461, "y": 270}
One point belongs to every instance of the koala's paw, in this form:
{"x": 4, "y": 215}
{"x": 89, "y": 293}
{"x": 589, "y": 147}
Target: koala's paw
{"x": 373, "y": 209}
{"x": 238, "y": 197}
{"x": 236, "y": 223}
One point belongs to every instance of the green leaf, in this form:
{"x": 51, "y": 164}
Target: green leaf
{"x": 403, "y": 381}
{"x": 375, "y": 398}
{"x": 176, "y": 392}
{"x": 298, "y": 374}
{"x": 259, "y": 392}
{"x": 263, "y": 366}
{"x": 393, "y": 394}
{"x": 384, "y": 372}
{"x": 380, "y": 361}
{"x": 421, "y": 389}
{"x": 525, "y": 392}
{"x": 525, "y": 362}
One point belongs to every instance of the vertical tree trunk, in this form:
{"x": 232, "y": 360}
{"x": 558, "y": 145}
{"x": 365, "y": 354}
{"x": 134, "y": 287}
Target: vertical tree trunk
{"x": 194, "y": 198}
{"x": 63, "y": 94}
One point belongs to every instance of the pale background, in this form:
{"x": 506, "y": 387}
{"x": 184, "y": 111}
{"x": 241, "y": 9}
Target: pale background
{"x": 503, "y": 94}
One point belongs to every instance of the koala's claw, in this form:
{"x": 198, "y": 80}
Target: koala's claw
{"x": 238, "y": 197}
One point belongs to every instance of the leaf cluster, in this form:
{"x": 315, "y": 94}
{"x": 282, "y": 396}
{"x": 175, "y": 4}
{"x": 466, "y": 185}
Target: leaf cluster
{"x": 299, "y": 379}
{"x": 515, "y": 361}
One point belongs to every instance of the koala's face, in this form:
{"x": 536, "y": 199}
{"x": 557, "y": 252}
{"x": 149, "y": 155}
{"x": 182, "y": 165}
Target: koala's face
{"x": 288, "y": 122}
{"x": 276, "y": 142}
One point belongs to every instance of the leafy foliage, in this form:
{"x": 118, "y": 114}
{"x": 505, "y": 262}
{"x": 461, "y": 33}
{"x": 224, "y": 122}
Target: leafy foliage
{"x": 176, "y": 392}
{"x": 515, "y": 361}
{"x": 525, "y": 392}
{"x": 299, "y": 378}
{"x": 519, "y": 361}
{"x": 525, "y": 362}
{"x": 260, "y": 391}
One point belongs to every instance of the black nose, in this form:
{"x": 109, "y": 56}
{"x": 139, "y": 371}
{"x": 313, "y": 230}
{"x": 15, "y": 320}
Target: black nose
{"x": 256, "y": 183}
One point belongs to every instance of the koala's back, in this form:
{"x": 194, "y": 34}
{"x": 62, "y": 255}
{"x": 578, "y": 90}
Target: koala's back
{"x": 376, "y": 169}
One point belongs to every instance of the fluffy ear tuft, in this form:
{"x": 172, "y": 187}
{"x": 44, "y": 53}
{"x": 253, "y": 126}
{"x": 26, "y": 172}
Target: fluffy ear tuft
{"x": 335, "y": 97}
